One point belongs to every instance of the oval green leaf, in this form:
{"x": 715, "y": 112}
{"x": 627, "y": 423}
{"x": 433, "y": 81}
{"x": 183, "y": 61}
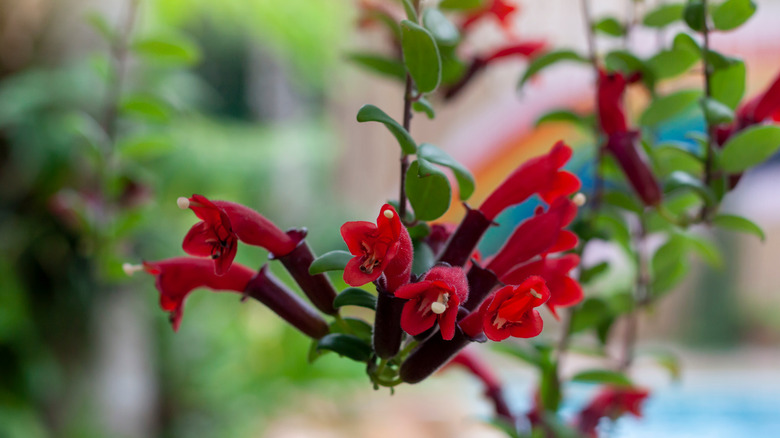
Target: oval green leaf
{"x": 330, "y": 261}
{"x": 543, "y": 61}
{"x": 435, "y": 155}
{"x": 671, "y": 63}
{"x": 428, "y": 190}
{"x": 681, "y": 180}
{"x": 381, "y": 65}
{"x": 727, "y": 84}
{"x": 664, "y": 15}
{"x": 370, "y": 113}
{"x": 738, "y": 223}
{"x": 733, "y": 13}
{"x": 666, "y": 107}
{"x": 355, "y": 297}
{"x": 442, "y": 29}
{"x": 610, "y": 26}
{"x": 346, "y": 345}
{"x": 421, "y": 56}
{"x": 605, "y": 377}
{"x": 750, "y": 147}
{"x": 174, "y": 50}
{"x": 694, "y": 14}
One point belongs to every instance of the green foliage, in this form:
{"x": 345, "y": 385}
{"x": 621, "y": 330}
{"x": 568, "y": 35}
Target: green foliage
{"x": 442, "y": 29}
{"x": 461, "y": 5}
{"x": 424, "y": 258}
{"x": 428, "y": 190}
{"x": 681, "y": 180}
{"x": 731, "y": 14}
{"x": 716, "y": 112}
{"x": 550, "y": 58}
{"x": 593, "y": 312}
{"x": 173, "y": 50}
{"x": 422, "y": 105}
{"x": 603, "y": 377}
{"x": 749, "y": 148}
{"x": 695, "y": 14}
{"x": 421, "y": 56}
{"x": 670, "y": 63}
{"x": 379, "y": 64}
{"x": 666, "y": 107}
{"x": 355, "y": 297}
{"x": 727, "y": 84}
{"x": 411, "y": 12}
{"x": 664, "y": 15}
{"x": 738, "y": 223}
{"x": 465, "y": 179}
{"x": 564, "y": 115}
{"x": 610, "y": 26}
{"x": 370, "y": 113}
{"x": 144, "y": 146}
{"x": 346, "y": 345}
{"x": 330, "y": 261}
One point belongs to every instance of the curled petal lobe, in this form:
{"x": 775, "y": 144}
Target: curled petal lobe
{"x": 177, "y": 277}
{"x": 436, "y": 297}
{"x": 510, "y": 311}
{"x": 540, "y": 175}
{"x": 564, "y": 290}
{"x": 381, "y": 248}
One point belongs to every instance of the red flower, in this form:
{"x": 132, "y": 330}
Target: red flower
{"x": 435, "y": 297}
{"x": 611, "y": 87}
{"x": 536, "y": 236}
{"x": 510, "y": 311}
{"x": 500, "y": 9}
{"x": 628, "y": 153}
{"x": 381, "y": 248}
{"x": 222, "y": 224}
{"x": 177, "y": 277}
{"x": 564, "y": 290}
{"x": 762, "y": 107}
{"x": 524, "y": 49}
{"x": 540, "y": 175}
{"x": 612, "y": 403}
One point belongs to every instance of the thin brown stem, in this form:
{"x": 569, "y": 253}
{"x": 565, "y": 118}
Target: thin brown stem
{"x": 407, "y": 122}
{"x": 708, "y": 70}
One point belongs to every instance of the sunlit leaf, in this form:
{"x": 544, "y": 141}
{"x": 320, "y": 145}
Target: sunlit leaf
{"x": 603, "y": 377}
{"x": 727, "y": 84}
{"x": 750, "y": 147}
{"x": 732, "y": 13}
{"x": 669, "y": 106}
{"x": 174, "y": 50}
{"x": 610, "y": 26}
{"x": 664, "y": 15}
{"x": 370, "y": 113}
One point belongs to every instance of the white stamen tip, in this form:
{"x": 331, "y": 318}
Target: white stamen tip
{"x": 388, "y": 214}
{"x": 183, "y": 203}
{"x": 131, "y": 269}
{"x": 535, "y": 293}
{"x": 579, "y": 199}
{"x": 438, "y": 308}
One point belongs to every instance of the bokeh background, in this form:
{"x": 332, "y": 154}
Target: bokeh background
{"x": 255, "y": 102}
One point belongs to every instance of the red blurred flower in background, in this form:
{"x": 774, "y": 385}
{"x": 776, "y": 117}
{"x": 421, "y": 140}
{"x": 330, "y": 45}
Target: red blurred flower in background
{"x": 435, "y": 297}
{"x": 381, "y": 248}
{"x": 501, "y": 10}
{"x": 611, "y": 402}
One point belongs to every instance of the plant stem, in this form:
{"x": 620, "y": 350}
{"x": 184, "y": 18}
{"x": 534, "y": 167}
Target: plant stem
{"x": 710, "y": 152}
{"x": 641, "y": 296}
{"x": 407, "y": 121}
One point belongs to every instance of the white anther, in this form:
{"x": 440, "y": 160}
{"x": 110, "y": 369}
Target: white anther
{"x": 535, "y": 293}
{"x": 438, "y": 308}
{"x": 388, "y": 214}
{"x": 499, "y": 322}
{"x": 131, "y": 269}
{"x": 183, "y": 203}
{"x": 579, "y": 199}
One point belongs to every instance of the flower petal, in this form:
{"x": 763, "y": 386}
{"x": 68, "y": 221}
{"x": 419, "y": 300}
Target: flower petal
{"x": 354, "y": 233}
{"x": 414, "y": 322}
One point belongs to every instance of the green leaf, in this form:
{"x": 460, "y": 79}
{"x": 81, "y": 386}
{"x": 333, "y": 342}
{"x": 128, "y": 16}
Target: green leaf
{"x": 728, "y": 84}
{"x": 411, "y": 12}
{"x": 352, "y": 326}
{"x": 346, "y": 345}
{"x": 101, "y": 25}
{"x": 592, "y": 312}
{"x": 461, "y": 5}
{"x": 623, "y": 200}
{"x": 173, "y": 50}
{"x": 668, "y": 361}
{"x": 732, "y": 13}
{"x": 422, "y": 105}
{"x": 664, "y": 15}
{"x": 671, "y": 63}
{"x": 145, "y": 106}
{"x": 669, "y": 106}
{"x": 628, "y": 63}
{"x": 330, "y": 261}
{"x": 610, "y": 26}
{"x": 738, "y": 223}
{"x": 706, "y": 249}
{"x": 543, "y": 61}
{"x": 671, "y": 277}
{"x": 453, "y": 68}
{"x": 419, "y": 231}
{"x": 462, "y": 175}
{"x": 145, "y": 146}
{"x": 428, "y": 190}
{"x": 683, "y": 41}
{"x": 355, "y": 297}
{"x": 681, "y": 180}
{"x": 669, "y": 264}
{"x": 716, "y": 112}
{"x": 693, "y": 14}
{"x": 670, "y": 157}
{"x": 421, "y": 56}
{"x": 563, "y": 115}
{"x": 442, "y": 29}
{"x": 604, "y": 377}
{"x": 424, "y": 258}
{"x": 381, "y": 65}
{"x": 750, "y": 147}
{"x": 370, "y": 113}
{"x": 590, "y": 273}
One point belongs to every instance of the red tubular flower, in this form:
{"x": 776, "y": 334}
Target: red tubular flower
{"x": 435, "y": 297}
{"x": 381, "y": 248}
{"x": 623, "y": 146}
{"x": 610, "y": 402}
{"x": 762, "y": 107}
{"x": 540, "y": 175}
{"x": 222, "y": 224}
{"x": 538, "y": 235}
{"x": 564, "y": 290}
{"x": 510, "y": 311}
{"x": 177, "y": 277}
{"x": 611, "y": 87}
{"x": 525, "y": 49}
{"x": 500, "y": 9}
